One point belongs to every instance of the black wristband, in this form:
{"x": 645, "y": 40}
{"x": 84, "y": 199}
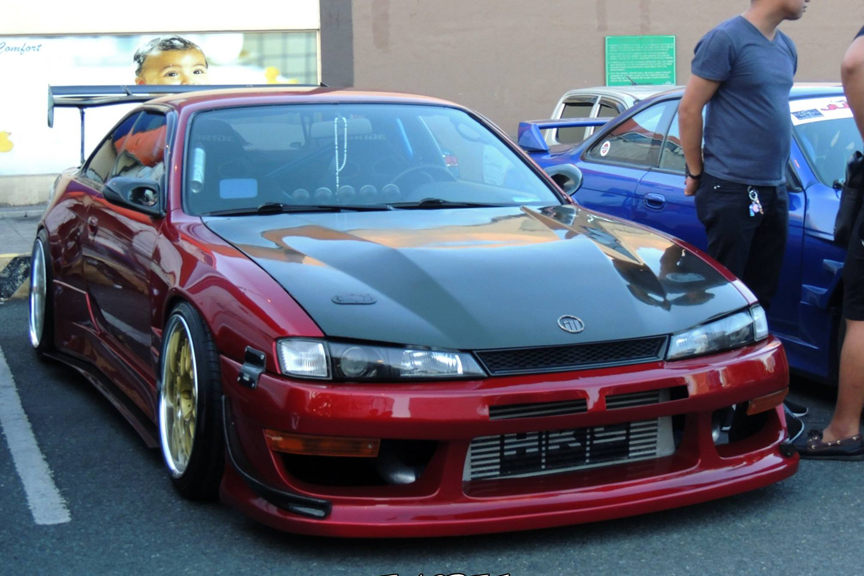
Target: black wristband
{"x": 689, "y": 174}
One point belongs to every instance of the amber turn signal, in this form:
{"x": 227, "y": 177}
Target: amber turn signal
{"x": 322, "y": 445}
{"x": 765, "y": 403}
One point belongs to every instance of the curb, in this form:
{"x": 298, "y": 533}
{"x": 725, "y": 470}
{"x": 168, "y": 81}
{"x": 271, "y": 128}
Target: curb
{"x": 15, "y": 277}
{"x": 34, "y": 211}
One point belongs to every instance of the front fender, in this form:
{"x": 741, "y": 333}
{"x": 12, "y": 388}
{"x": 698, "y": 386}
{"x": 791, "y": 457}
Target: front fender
{"x": 240, "y": 303}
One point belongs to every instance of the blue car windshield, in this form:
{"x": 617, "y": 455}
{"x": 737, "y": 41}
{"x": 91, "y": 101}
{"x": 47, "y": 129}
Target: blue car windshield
{"x": 827, "y": 135}
{"x": 365, "y": 155}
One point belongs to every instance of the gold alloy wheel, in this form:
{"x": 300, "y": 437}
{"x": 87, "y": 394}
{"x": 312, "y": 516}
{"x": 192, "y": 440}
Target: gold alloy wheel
{"x": 178, "y": 398}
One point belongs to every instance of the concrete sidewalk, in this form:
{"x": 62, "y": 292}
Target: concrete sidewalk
{"x": 18, "y": 229}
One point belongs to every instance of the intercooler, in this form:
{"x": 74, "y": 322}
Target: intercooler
{"x": 554, "y": 452}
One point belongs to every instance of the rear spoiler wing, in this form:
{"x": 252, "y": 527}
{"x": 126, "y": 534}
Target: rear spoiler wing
{"x": 83, "y": 97}
{"x": 531, "y": 135}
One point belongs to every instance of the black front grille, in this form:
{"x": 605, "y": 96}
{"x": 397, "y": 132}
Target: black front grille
{"x": 576, "y": 357}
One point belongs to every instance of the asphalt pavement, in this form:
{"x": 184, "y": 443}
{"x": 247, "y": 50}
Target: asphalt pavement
{"x": 125, "y": 518}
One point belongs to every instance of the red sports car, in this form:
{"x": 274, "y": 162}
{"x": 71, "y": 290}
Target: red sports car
{"x": 368, "y": 314}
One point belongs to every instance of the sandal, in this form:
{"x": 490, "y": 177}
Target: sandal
{"x": 814, "y": 448}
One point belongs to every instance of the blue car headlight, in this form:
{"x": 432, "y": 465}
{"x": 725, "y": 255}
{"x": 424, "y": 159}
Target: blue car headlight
{"x": 322, "y": 360}
{"x": 731, "y": 331}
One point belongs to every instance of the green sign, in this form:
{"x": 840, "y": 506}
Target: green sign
{"x": 640, "y": 60}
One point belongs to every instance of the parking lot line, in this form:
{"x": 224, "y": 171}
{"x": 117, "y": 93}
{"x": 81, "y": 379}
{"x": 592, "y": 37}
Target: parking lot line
{"x": 45, "y": 501}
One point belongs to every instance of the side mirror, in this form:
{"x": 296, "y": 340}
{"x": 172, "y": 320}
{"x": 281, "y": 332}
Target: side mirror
{"x": 567, "y": 176}
{"x": 136, "y": 194}
{"x": 793, "y": 182}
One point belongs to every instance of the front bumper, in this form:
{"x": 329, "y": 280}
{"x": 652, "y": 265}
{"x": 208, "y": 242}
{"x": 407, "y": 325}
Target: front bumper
{"x": 442, "y": 502}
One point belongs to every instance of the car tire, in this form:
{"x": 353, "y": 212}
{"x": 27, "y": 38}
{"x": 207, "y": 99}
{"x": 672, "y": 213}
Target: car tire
{"x": 190, "y": 405}
{"x": 40, "y": 320}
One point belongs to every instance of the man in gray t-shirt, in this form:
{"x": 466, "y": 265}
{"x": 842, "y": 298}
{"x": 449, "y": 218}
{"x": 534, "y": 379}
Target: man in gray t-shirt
{"x": 743, "y": 72}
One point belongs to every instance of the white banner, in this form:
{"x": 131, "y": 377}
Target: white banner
{"x": 108, "y": 17}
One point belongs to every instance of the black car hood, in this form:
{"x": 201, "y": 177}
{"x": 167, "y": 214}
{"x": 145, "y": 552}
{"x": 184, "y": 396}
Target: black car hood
{"x": 482, "y": 278}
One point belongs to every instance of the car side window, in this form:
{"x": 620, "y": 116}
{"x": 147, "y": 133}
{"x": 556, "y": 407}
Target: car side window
{"x": 637, "y": 140}
{"x": 99, "y": 166}
{"x": 608, "y": 109}
{"x": 575, "y": 109}
{"x": 141, "y": 151}
{"x": 672, "y": 156}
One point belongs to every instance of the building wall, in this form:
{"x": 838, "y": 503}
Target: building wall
{"x": 511, "y": 59}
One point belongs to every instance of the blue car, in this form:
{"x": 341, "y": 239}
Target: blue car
{"x": 633, "y": 167}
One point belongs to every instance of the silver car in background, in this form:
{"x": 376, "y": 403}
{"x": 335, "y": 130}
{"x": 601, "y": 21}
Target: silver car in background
{"x": 596, "y": 102}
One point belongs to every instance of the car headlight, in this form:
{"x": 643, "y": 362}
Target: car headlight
{"x": 731, "y": 331}
{"x": 358, "y": 362}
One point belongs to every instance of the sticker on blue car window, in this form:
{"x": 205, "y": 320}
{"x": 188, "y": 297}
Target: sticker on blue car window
{"x": 807, "y": 114}
{"x": 818, "y": 109}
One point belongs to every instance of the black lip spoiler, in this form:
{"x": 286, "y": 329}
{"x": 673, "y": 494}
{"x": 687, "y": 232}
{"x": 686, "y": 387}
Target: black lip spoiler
{"x": 300, "y": 504}
{"x": 83, "y": 97}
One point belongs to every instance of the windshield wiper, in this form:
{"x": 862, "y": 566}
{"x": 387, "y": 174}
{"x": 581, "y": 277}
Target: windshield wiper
{"x": 432, "y": 203}
{"x": 279, "y": 208}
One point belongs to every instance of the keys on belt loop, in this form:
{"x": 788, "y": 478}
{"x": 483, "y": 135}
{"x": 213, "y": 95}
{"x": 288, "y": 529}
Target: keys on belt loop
{"x": 755, "y": 204}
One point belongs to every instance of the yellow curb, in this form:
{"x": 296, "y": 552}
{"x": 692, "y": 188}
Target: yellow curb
{"x": 22, "y": 292}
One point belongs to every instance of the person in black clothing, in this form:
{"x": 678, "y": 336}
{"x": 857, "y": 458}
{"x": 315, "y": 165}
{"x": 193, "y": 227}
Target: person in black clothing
{"x": 841, "y": 439}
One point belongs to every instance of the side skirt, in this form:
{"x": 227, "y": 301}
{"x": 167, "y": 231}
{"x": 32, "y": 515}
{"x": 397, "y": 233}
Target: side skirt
{"x": 139, "y": 421}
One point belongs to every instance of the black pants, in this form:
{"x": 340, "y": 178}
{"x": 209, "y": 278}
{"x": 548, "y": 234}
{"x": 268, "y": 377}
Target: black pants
{"x": 751, "y": 247}
{"x": 853, "y": 273}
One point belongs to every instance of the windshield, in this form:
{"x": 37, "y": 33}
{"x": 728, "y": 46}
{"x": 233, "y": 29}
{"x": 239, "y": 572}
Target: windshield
{"x": 363, "y": 155}
{"x": 827, "y": 135}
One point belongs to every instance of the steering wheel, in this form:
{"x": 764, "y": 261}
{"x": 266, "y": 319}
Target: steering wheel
{"x": 428, "y": 171}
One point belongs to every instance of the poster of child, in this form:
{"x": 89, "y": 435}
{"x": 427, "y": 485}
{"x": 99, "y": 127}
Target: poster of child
{"x": 170, "y": 60}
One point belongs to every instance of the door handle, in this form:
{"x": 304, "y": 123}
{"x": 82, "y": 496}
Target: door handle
{"x": 92, "y": 225}
{"x": 654, "y": 201}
